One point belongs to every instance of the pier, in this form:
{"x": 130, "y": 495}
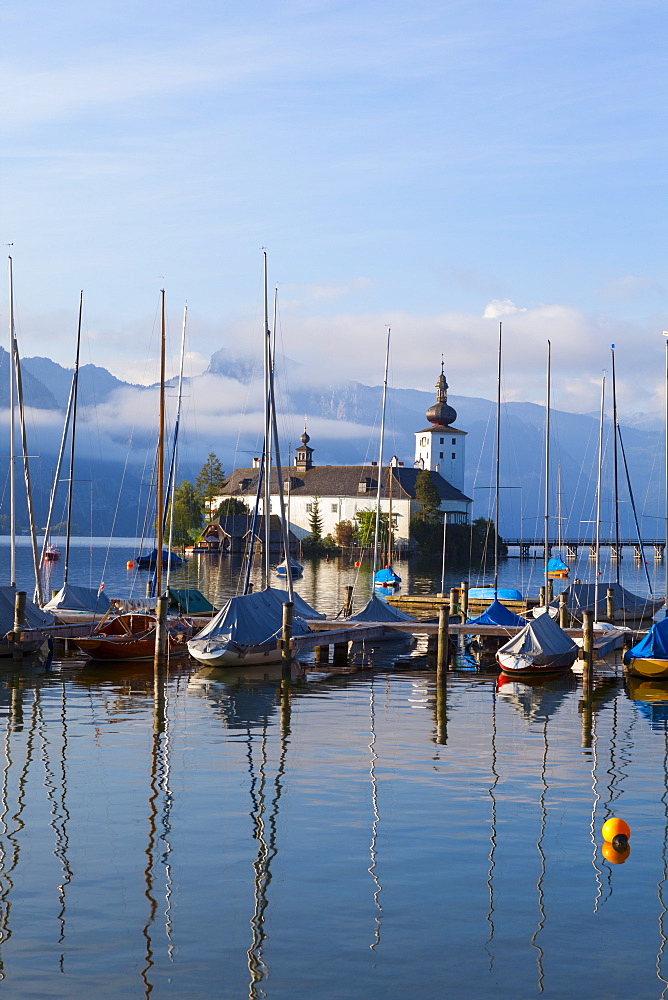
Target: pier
{"x": 535, "y": 549}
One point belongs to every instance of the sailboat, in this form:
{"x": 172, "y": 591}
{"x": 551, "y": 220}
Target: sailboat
{"x": 385, "y": 577}
{"x": 497, "y": 613}
{"x": 541, "y": 647}
{"x": 248, "y": 627}
{"x": 134, "y": 636}
{"x": 33, "y": 615}
{"x": 556, "y": 567}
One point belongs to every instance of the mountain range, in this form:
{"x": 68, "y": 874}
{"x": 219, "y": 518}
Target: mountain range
{"x": 222, "y": 414}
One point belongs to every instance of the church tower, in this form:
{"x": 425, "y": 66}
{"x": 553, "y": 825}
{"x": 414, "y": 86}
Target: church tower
{"x": 440, "y": 447}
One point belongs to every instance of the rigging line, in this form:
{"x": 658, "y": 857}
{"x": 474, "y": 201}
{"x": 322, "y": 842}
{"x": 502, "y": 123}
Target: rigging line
{"x": 633, "y": 506}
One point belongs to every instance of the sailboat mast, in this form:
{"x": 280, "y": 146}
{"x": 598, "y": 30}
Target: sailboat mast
{"x": 614, "y": 464}
{"x": 171, "y": 487}
{"x": 498, "y": 463}
{"x": 267, "y": 435}
{"x": 376, "y": 536}
{"x": 546, "y": 549}
{"x": 598, "y": 500}
{"x": 161, "y": 454}
{"x": 12, "y": 436}
{"x": 665, "y": 557}
{"x": 70, "y": 483}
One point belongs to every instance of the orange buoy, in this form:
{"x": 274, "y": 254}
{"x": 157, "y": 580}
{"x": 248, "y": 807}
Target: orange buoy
{"x": 615, "y": 855}
{"x": 615, "y": 827}
{"x": 129, "y": 564}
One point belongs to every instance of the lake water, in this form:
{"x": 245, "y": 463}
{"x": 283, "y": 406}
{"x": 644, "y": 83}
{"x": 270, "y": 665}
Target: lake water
{"x": 337, "y": 836}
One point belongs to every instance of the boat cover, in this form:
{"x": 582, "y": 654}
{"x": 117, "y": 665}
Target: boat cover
{"x": 376, "y": 610}
{"x": 190, "y": 601}
{"x": 295, "y": 568}
{"x": 35, "y": 617}
{"x": 387, "y": 575}
{"x": 556, "y": 566}
{"x": 653, "y": 646}
{"x": 73, "y": 598}
{"x": 251, "y": 619}
{"x": 302, "y": 607}
{"x": 497, "y": 614}
{"x": 150, "y": 558}
{"x": 501, "y": 593}
{"x": 540, "y": 636}
{"x": 580, "y": 597}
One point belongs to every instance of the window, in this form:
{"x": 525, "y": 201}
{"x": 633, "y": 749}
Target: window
{"x": 440, "y": 454}
{"x": 454, "y": 440}
{"x": 453, "y": 455}
{"x": 334, "y": 508}
{"x": 309, "y": 508}
{"x": 442, "y": 441}
{"x": 423, "y": 440}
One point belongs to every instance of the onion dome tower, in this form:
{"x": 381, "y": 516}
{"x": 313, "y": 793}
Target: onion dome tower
{"x": 440, "y": 447}
{"x": 303, "y": 454}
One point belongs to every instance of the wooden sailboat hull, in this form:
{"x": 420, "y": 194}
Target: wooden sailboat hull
{"x": 132, "y": 637}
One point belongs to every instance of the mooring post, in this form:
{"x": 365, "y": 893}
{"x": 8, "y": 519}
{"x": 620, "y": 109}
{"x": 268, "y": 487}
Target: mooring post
{"x": 550, "y": 591}
{"x": 443, "y": 648}
{"x": 286, "y": 638}
{"x": 464, "y": 599}
{"x": 19, "y": 621}
{"x": 348, "y": 604}
{"x": 588, "y": 654}
{"x": 454, "y": 602}
{"x": 541, "y": 597}
{"x": 250, "y": 588}
{"x": 563, "y": 610}
{"x": 610, "y": 604}
{"x": 160, "y": 632}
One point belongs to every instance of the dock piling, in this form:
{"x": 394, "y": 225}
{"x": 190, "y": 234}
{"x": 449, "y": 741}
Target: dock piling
{"x": 286, "y": 636}
{"x": 348, "y": 604}
{"x": 443, "y": 649}
{"x": 610, "y": 604}
{"x": 563, "y": 610}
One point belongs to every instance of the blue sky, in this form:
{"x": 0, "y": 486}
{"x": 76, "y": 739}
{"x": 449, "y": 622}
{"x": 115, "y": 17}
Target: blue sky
{"x": 435, "y": 167}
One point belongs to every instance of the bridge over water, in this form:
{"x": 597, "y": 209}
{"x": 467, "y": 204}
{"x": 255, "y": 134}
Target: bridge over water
{"x": 535, "y": 548}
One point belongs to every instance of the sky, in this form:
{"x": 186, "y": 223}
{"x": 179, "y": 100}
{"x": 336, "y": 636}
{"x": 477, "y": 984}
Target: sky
{"x": 435, "y": 168}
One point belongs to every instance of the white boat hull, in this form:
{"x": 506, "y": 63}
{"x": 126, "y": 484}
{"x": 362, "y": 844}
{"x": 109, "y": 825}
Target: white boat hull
{"x": 517, "y": 664}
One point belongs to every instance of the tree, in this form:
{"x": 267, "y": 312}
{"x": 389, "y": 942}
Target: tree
{"x": 231, "y": 506}
{"x": 366, "y": 528}
{"x": 344, "y": 533}
{"x": 210, "y": 483}
{"x": 187, "y": 515}
{"x": 428, "y": 497}
{"x": 315, "y": 520}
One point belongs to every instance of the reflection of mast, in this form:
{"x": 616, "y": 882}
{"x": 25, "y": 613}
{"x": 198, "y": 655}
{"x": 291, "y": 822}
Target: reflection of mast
{"x": 158, "y": 808}
{"x": 664, "y": 877}
{"x": 17, "y": 819}
{"x": 492, "y": 835}
{"x": 265, "y": 833}
{"x": 593, "y": 743}
{"x": 541, "y": 852}
{"x": 376, "y": 817}
{"x": 59, "y": 813}
{"x": 4, "y": 810}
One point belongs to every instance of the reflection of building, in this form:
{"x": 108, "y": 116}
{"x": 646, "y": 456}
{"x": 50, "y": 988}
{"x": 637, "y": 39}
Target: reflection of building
{"x": 232, "y": 534}
{"x": 341, "y": 491}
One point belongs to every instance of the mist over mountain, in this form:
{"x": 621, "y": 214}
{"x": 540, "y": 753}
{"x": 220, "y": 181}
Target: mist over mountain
{"x": 222, "y": 413}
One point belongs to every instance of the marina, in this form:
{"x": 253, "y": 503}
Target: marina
{"x": 351, "y": 830}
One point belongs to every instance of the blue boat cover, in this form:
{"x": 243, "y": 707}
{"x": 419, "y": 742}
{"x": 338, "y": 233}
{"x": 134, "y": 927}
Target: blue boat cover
{"x": 35, "y": 617}
{"x": 376, "y": 610}
{"x": 301, "y": 606}
{"x": 497, "y": 614}
{"x": 556, "y": 566}
{"x": 252, "y": 619}
{"x": 387, "y": 575}
{"x": 501, "y": 593}
{"x": 654, "y": 646}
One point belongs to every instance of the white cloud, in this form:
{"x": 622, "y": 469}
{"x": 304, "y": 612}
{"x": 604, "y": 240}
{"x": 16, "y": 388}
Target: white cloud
{"x": 501, "y": 307}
